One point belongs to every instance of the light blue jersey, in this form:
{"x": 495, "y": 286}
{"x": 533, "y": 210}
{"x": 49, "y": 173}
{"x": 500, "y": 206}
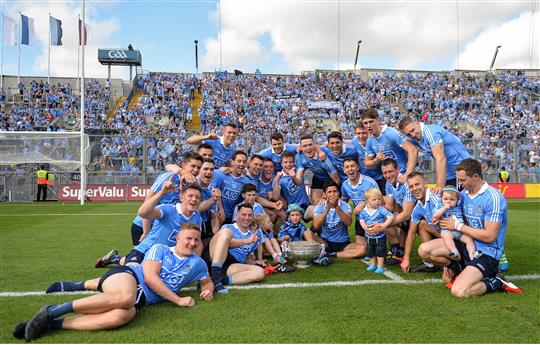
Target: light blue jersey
{"x": 488, "y": 205}
{"x": 176, "y": 272}
{"x": 400, "y": 193}
{"x": 257, "y": 209}
{"x": 231, "y": 190}
{"x": 206, "y": 193}
{"x": 390, "y": 143}
{"x": 294, "y": 231}
{"x": 293, "y": 193}
{"x": 166, "y": 227}
{"x": 221, "y": 154}
{"x": 263, "y": 188}
{"x": 321, "y": 169}
{"x": 356, "y": 192}
{"x": 333, "y": 230}
{"x": 454, "y": 150}
{"x": 349, "y": 151}
{"x": 361, "y": 150}
{"x": 169, "y": 198}
{"x": 276, "y": 158}
{"x": 241, "y": 253}
{"x": 371, "y": 216}
{"x": 427, "y": 209}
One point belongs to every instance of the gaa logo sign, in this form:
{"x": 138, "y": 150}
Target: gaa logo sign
{"x": 117, "y": 54}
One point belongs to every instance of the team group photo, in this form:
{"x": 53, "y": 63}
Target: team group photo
{"x": 299, "y": 172}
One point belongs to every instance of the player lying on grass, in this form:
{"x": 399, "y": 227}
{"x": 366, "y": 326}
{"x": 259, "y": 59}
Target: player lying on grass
{"x": 126, "y": 289}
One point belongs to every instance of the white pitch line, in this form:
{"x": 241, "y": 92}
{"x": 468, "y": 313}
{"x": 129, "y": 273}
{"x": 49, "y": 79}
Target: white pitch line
{"x": 290, "y": 285}
{"x": 389, "y": 274}
{"x": 66, "y": 214}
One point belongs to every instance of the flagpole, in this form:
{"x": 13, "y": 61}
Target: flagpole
{"x": 82, "y": 91}
{"x": 49, "y": 59}
{"x": 79, "y": 53}
{"x": 2, "y": 62}
{"x": 19, "y": 34}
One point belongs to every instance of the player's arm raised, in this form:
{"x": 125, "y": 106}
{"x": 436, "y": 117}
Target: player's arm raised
{"x": 148, "y": 209}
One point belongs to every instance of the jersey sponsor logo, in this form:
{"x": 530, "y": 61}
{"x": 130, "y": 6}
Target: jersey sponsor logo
{"x": 173, "y": 278}
{"x": 332, "y": 227}
{"x": 475, "y": 222}
{"x": 293, "y": 188}
{"x": 230, "y": 194}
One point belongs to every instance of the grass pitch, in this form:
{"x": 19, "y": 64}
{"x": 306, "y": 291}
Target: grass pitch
{"x": 42, "y": 243}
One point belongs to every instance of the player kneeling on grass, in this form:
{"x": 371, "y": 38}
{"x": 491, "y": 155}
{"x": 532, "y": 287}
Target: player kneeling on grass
{"x": 486, "y": 215}
{"x": 375, "y": 219}
{"x": 451, "y": 208}
{"x": 126, "y": 289}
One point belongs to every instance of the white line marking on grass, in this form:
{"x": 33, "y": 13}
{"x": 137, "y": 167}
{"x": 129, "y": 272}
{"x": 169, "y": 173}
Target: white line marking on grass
{"x": 66, "y": 214}
{"x": 288, "y": 285}
{"x": 389, "y": 274}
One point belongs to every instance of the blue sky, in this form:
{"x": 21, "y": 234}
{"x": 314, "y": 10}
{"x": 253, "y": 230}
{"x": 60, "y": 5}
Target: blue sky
{"x": 280, "y": 36}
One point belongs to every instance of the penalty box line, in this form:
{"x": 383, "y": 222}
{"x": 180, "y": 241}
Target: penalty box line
{"x": 288, "y": 285}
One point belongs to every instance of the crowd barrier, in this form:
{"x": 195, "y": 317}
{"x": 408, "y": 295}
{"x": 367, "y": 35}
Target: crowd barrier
{"x": 138, "y": 192}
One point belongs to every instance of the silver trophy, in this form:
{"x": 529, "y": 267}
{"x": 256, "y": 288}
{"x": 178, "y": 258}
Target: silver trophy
{"x": 303, "y": 252}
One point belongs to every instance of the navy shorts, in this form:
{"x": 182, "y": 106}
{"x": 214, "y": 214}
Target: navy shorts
{"x": 335, "y": 247}
{"x": 140, "y": 298}
{"x": 382, "y": 185}
{"x": 376, "y": 247}
{"x": 134, "y": 256}
{"x": 358, "y": 230}
{"x": 136, "y": 233}
{"x": 486, "y": 264}
{"x": 318, "y": 183}
{"x": 206, "y": 230}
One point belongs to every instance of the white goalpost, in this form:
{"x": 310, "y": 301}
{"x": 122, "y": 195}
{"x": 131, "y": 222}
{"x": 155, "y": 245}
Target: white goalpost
{"x": 62, "y": 149}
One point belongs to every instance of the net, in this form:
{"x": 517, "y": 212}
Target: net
{"x": 62, "y": 149}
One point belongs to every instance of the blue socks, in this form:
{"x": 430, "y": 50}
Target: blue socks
{"x": 216, "y": 278}
{"x": 65, "y": 286}
{"x": 56, "y": 324}
{"x": 115, "y": 259}
{"x": 60, "y": 309}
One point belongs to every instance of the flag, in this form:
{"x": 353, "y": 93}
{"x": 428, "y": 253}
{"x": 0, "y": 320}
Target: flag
{"x": 81, "y": 34}
{"x": 56, "y": 31}
{"x": 9, "y": 28}
{"x": 27, "y": 30}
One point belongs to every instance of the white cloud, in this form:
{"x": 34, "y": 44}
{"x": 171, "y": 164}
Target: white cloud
{"x": 304, "y": 34}
{"x": 64, "y": 58}
{"x": 514, "y": 36}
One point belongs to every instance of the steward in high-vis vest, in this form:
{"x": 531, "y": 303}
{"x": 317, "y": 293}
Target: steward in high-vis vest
{"x": 504, "y": 176}
{"x": 41, "y": 180}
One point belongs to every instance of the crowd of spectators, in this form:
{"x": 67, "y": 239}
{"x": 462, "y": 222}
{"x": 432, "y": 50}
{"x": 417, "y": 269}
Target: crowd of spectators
{"x": 42, "y": 107}
{"x": 502, "y": 106}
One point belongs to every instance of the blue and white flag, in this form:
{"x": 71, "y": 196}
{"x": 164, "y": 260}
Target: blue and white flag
{"x": 9, "y": 29}
{"x": 27, "y": 30}
{"x": 56, "y": 31}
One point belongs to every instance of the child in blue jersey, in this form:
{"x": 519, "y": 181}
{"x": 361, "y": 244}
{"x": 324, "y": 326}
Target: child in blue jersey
{"x": 372, "y": 216}
{"x": 268, "y": 240}
{"x": 292, "y": 229}
{"x": 249, "y": 194}
{"x": 451, "y": 208}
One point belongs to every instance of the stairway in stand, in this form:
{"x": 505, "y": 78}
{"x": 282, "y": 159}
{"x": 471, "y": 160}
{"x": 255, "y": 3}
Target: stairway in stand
{"x": 121, "y": 101}
{"x": 195, "y": 103}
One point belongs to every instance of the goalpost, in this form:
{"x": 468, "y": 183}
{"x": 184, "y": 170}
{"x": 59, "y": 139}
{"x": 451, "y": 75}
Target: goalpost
{"x": 62, "y": 149}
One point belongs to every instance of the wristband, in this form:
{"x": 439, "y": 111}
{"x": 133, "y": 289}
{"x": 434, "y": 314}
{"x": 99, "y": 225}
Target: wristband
{"x": 459, "y": 226}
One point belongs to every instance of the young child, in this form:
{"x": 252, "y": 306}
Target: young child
{"x": 451, "y": 208}
{"x": 249, "y": 193}
{"x": 375, "y": 213}
{"x": 292, "y": 229}
{"x": 270, "y": 243}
